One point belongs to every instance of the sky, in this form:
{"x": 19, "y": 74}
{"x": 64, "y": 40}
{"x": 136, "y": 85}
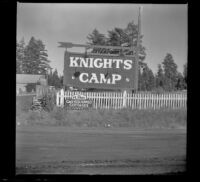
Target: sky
{"x": 164, "y": 27}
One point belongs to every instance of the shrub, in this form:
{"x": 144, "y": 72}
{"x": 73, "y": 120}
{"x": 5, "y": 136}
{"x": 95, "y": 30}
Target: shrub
{"x": 48, "y": 102}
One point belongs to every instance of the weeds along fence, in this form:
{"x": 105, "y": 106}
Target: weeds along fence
{"x": 119, "y": 100}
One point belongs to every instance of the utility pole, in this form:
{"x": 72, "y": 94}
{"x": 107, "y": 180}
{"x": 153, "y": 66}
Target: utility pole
{"x": 137, "y": 54}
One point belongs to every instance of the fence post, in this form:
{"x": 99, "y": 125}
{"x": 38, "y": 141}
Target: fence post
{"x": 62, "y": 97}
{"x": 57, "y": 98}
{"x": 124, "y": 99}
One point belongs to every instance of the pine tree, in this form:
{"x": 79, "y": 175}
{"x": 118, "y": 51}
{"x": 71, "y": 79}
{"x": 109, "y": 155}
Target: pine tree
{"x": 116, "y": 37}
{"x": 185, "y": 75}
{"x": 140, "y": 81}
{"x": 180, "y": 85}
{"x": 31, "y": 63}
{"x": 20, "y": 56}
{"x": 54, "y": 79}
{"x": 147, "y": 79}
{"x": 151, "y": 80}
{"x": 43, "y": 58}
{"x": 61, "y": 81}
{"x": 96, "y": 38}
{"x": 160, "y": 77}
{"x": 126, "y": 37}
{"x": 170, "y": 73}
{"x": 36, "y": 59}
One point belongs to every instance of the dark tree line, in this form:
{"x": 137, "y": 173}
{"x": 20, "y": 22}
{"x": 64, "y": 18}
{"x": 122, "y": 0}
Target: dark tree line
{"x": 54, "y": 79}
{"x": 167, "y": 77}
{"x": 126, "y": 37}
{"x": 171, "y": 78}
{"x": 33, "y": 59}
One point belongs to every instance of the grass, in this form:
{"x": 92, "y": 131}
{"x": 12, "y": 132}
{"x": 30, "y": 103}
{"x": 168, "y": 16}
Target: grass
{"x": 23, "y": 104}
{"x": 163, "y": 118}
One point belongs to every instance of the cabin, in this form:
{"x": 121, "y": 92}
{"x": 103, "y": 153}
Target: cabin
{"x": 25, "y": 80}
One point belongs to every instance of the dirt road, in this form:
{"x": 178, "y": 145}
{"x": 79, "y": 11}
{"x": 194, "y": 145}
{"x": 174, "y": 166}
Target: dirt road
{"x": 62, "y": 150}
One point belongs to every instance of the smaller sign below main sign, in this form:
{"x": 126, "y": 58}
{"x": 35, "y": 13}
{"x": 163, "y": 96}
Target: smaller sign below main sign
{"x": 78, "y": 102}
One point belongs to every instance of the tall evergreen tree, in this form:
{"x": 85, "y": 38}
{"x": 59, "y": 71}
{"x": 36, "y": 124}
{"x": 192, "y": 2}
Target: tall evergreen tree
{"x": 36, "y": 59}
{"x": 140, "y": 81}
{"x": 31, "y": 63}
{"x": 116, "y": 37}
{"x": 97, "y": 38}
{"x": 132, "y": 33}
{"x": 180, "y": 85}
{"x": 160, "y": 77}
{"x": 43, "y": 58}
{"x": 20, "y": 56}
{"x": 50, "y": 78}
{"x": 126, "y": 37}
{"x": 54, "y": 79}
{"x": 185, "y": 75}
{"x": 61, "y": 80}
{"x": 151, "y": 80}
{"x": 147, "y": 79}
{"x": 170, "y": 73}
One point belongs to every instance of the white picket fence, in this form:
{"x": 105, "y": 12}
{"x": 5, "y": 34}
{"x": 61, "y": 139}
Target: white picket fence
{"x": 119, "y": 100}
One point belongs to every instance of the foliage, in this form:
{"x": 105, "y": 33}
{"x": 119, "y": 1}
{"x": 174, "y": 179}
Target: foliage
{"x": 146, "y": 79}
{"x": 118, "y": 37}
{"x": 48, "y": 102}
{"x": 170, "y": 73}
{"x": 180, "y": 84}
{"x": 20, "y": 56}
{"x": 32, "y": 58}
{"x": 55, "y": 80}
{"x": 185, "y": 74}
{"x": 167, "y": 77}
{"x": 96, "y": 38}
{"x": 160, "y": 77}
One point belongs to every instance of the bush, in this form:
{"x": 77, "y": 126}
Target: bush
{"x": 48, "y": 102}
